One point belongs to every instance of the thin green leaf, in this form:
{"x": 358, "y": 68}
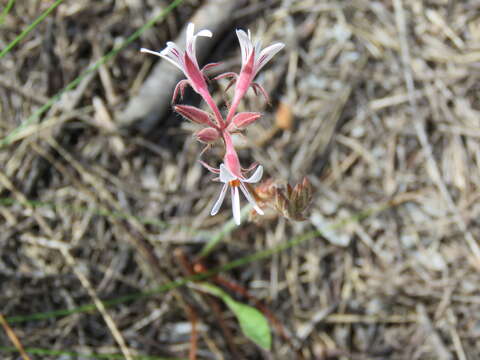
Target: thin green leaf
{"x": 227, "y": 229}
{"x": 29, "y": 28}
{"x": 6, "y": 10}
{"x": 75, "y": 355}
{"x": 252, "y": 322}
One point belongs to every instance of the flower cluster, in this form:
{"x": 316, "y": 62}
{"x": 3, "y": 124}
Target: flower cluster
{"x": 216, "y": 126}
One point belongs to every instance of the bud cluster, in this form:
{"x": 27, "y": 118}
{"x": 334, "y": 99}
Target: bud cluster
{"x": 215, "y": 125}
{"x": 291, "y": 202}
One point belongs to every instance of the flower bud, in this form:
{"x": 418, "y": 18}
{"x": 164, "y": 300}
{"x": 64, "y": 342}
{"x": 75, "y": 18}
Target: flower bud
{"x": 193, "y": 113}
{"x": 242, "y": 120}
{"x": 208, "y": 135}
{"x": 290, "y": 202}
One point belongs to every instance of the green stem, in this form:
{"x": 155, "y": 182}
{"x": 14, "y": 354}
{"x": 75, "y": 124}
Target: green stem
{"x": 29, "y": 28}
{"x": 6, "y": 10}
{"x": 47, "y": 352}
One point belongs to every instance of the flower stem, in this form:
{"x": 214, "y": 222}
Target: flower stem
{"x": 218, "y": 116}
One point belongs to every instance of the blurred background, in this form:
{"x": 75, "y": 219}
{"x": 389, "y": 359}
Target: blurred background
{"x": 102, "y": 195}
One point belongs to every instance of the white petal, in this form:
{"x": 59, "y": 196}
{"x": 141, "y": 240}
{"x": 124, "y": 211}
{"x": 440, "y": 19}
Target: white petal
{"x": 191, "y": 40}
{"x": 236, "y": 205}
{"x": 219, "y": 201}
{"x": 172, "y": 50}
{"x": 266, "y": 54}
{"x": 257, "y": 175}
{"x": 205, "y": 33}
{"x": 174, "y": 62}
{"x": 225, "y": 174}
{"x": 250, "y": 199}
{"x": 143, "y": 50}
{"x": 190, "y": 30}
{"x": 258, "y": 49}
{"x": 246, "y": 46}
{"x": 173, "y": 54}
{"x": 166, "y": 54}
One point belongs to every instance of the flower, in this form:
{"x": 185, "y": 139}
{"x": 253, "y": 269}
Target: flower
{"x": 236, "y": 182}
{"x": 230, "y": 172}
{"x": 186, "y": 61}
{"x": 253, "y": 60}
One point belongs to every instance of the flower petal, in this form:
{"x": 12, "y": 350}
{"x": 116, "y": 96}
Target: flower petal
{"x": 193, "y": 74}
{"x": 143, "y": 50}
{"x": 250, "y": 199}
{"x": 266, "y": 54}
{"x": 169, "y": 54}
{"x": 173, "y": 54}
{"x": 225, "y": 174}
{"x": 191, "y": 40}
{"x": 257, "y": 175}
{"x": 236, "y": 205}
{"x": 246, "y": 45}
{"x": 189, "y": 32}
{"x": 219, "y": 201}
{"x": 204, "y": 33}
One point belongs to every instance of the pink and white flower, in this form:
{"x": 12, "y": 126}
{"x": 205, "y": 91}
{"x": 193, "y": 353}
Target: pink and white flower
{"x": 253, "y": 60}
{"x": 231, "y": 174}
{"x": 235, "y": 182}
{"x": 186, "y": 61}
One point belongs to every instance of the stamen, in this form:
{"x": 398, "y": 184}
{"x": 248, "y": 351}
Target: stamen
{"x": 234, "y": 183}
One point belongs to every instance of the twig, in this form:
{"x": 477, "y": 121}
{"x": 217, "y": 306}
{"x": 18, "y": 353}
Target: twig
{"x": 13, "y": 338}
{"x": 194, "y": 335}
{"x": 98, "y": 303}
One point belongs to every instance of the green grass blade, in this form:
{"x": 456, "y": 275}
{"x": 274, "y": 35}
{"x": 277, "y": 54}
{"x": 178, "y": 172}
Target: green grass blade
{"x": 260, "y": 255}
{"x": 10, "y": 138}
{"x": 75, "y": 355}
{"x": 227, "y": 229}
{"x": 29, "y": 28}
{"x": 6, "y": 10}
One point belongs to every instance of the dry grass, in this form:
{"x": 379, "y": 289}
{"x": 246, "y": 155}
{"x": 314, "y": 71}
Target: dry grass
{"x": 384, "y": 104}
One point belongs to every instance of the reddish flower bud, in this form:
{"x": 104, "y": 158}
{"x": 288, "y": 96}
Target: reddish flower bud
{"x": 243, "y": 119}
{"x": 290, "y": 202}
{"x": 207, "y": 135}
{"x": 193, "y": 114}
